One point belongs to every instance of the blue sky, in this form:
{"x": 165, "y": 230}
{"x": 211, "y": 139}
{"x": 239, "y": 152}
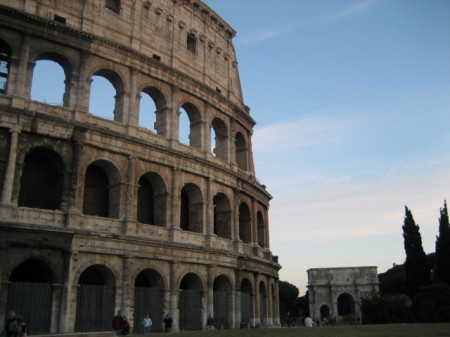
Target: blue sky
{"x": 352, "y": 101}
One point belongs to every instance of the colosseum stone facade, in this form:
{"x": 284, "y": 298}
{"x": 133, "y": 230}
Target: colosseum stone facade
{"x": 99, "y": 212}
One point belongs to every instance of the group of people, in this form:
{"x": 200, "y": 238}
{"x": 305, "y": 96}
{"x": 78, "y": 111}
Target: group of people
{"x": 15, "y": 326}
{"x": 121, "y": 325}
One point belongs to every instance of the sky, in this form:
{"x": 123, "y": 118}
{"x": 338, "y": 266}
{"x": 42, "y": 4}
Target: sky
{"x": 352, "y": 103}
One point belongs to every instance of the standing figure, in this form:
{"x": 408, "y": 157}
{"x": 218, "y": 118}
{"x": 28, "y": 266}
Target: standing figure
{"x": 147, "y": 324}
{"x": 210, "y": 323}
{"x": 167, "y": 323}
{"x": 125, "y": 326}
{"x": 117, "y": 322}
{"x": 11, "y": 325}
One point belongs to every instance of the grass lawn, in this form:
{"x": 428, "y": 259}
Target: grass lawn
{"x": 390, "y": 330}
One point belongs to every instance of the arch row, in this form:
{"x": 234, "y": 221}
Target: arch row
{"x": 106, "y": 93}
{"x": 155, "y": 197}
{"x": 87, "y": 298}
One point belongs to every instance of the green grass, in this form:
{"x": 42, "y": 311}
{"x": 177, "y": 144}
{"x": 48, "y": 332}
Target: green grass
{"x": 390, "y": 330}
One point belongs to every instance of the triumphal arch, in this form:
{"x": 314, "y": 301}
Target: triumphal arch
{"x": 335, "y": 294}
{"x": 121, "y": 205}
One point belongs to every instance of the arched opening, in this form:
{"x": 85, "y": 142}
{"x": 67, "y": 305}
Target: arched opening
{"x": 152, "y": 110}
{"x": 5, "y": 57}
{"x": 324, "y": 314}
{"x": 190, "y": 303}
{"x": 190, "y": 128}
{"x": 30, "y": 294}
{"x": 346, "y": 307}
{"x": 261, "y": 230}
{"x": 241, "y": 151}
{"x": 191, "y": 217}
{"x": 95, "y": 299}
{"x": 152, "y": 196}
{"x": 42, "y": 178}
{"x": 263, "y": 303}
{"x": 245, "y": 223}
{"x": 51, "y": 89}
{"x": 273, "y": 314}
{"x": 107, "y": 95}
{"x": 113, "y": 6}
{"x": 246, "y": 301}
{"x": 222, "y": 302}
{"x": 101, "y": 190}
{"x": 220, "y": 141}
{"x": 222, "y": 216}
{"x": 149, "y": 299}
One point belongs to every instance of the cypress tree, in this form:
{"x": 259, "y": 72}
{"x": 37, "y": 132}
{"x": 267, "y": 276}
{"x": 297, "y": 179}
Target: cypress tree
{"x": 443, "y": 247}
{"x": 417, "y": 271}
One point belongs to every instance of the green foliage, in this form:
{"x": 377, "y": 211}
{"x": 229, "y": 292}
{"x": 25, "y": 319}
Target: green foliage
{"x": 417, "y": 271}
{"x": 386, "y": 309}
{"x": 288, "y": 294}
{"x": 432, "y": 303}
{"x": 393, "y": 281}
{"x": 443, "y": 247}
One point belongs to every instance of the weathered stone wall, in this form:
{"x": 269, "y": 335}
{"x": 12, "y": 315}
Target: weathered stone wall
{"x": 141, "y": 47}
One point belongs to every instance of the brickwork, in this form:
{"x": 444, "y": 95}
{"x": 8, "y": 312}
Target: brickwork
{"x": 123, "y": 202}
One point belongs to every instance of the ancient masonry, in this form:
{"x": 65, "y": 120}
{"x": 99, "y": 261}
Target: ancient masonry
{"x": 335, "y": 294}
{"x": 100, "y": 212}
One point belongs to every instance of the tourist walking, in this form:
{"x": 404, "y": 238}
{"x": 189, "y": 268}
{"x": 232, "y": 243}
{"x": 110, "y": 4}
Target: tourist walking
{"x": 117, "y": 322}
{"x": 168, "y": 323}
{"x": 147, "y": 324}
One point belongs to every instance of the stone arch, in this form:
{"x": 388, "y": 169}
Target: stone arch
{"x": 222, "y": 216}
{"x": 262, "y": 292}
{"x": 118, "y": 84}
{"x": 5, "y": 65}
{"x": 346, "y": 307}
{"x": 261, "y": 229}
{"x": 102, "y": 190}
{"x": 159, "y": 115}
{"x": 245, "y": 223}
{"x": 42, "y": 179}
{"x": 195, "y": 124}
{"x": 191, "y": 209}
{"x": 64, "y": 88}
{"x": 241, "y": 151}
{"x": 149, "y": 298}
{"x": 152, "y": 200}
{"x": 222, "y": 302}
{"x": 30, "y": 293}
{"x": 246, "y": 301}
{"x": 220, "y": 144}
{"x": 190, "y": 302}
{"x": 324, "y": 313}
{"x": 95, "y": 299}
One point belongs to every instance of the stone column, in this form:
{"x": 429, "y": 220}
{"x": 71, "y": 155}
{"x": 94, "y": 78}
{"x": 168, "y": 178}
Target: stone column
{"x": 173, "y": 297}
{"x": 21, "y": 89}
{"x": 8, "y": 182}
{"x": 210, "y": 291}
{"x": 176, "y": 198}
{"x": 237, "y": 299}
{"x": 235, "y": 220}
{"x": 256, "y": 311}
{"x": 130, "y": 189}
{"x": 66, "y": 291}
{"x": 209, "y": 211}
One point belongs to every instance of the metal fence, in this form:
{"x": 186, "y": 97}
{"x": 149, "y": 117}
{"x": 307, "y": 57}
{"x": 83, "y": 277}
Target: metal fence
{"x": 33, "y": 302}
{"x": 190, "y": 310}
{"x": 221, "y": 309}
{"x": 95, "y": 307}
{"x": 246, "y": 307}
{"x": 148, "y": 301}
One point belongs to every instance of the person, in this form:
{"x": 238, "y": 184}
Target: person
{"x": 210, "y": 323}
{"x": 22, "y": 330}
{"x": 11, "y": 325}
{"x": 117, "y": 322}
{"x": 125, "y": 325}
{"x": 167, "y": 323}
{"x": 147, "y": 324}
{"x": 309, "y": 323}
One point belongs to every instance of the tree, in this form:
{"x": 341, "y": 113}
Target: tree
{"x": 432, "y": 304}
{"x": 386, "y": 309}
{"x": 417, "y": 271}
{"x": 288, "y": 293}
{"x": 443, "y": 247}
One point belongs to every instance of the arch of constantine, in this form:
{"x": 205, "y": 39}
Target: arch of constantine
{"x": 100, "y": 211}
{"x": 336, "y": 293}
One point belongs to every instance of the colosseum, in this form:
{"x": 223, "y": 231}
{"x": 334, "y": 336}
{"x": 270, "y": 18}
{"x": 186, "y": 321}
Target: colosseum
{"x": 102, "y": 211}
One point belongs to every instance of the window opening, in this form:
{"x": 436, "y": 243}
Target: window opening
{"x": 245, "y": 223}
{"x": 185, "y": 126}
{"x": 191, "y": 43}
{"x": 113, "y": 6}
{"x": 147, "y": 112}
{"x": 4, "y": 67}
{"x": 145, "y": 202}
{"x": 59, "y": 19}
{"x": 102, "y": 99}
{"x": 96, "y": 192}
{"x": 241, "y": 151}
{"x": 48, "y": 85}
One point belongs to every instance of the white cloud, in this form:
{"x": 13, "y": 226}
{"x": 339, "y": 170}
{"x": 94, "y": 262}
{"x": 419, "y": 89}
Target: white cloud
{"x": 353, "y": 10}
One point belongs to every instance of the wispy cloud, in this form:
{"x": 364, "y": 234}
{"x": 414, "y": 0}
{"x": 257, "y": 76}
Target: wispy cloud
{"x": 262, "y": 36}
{"x": 356, "y": 9}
